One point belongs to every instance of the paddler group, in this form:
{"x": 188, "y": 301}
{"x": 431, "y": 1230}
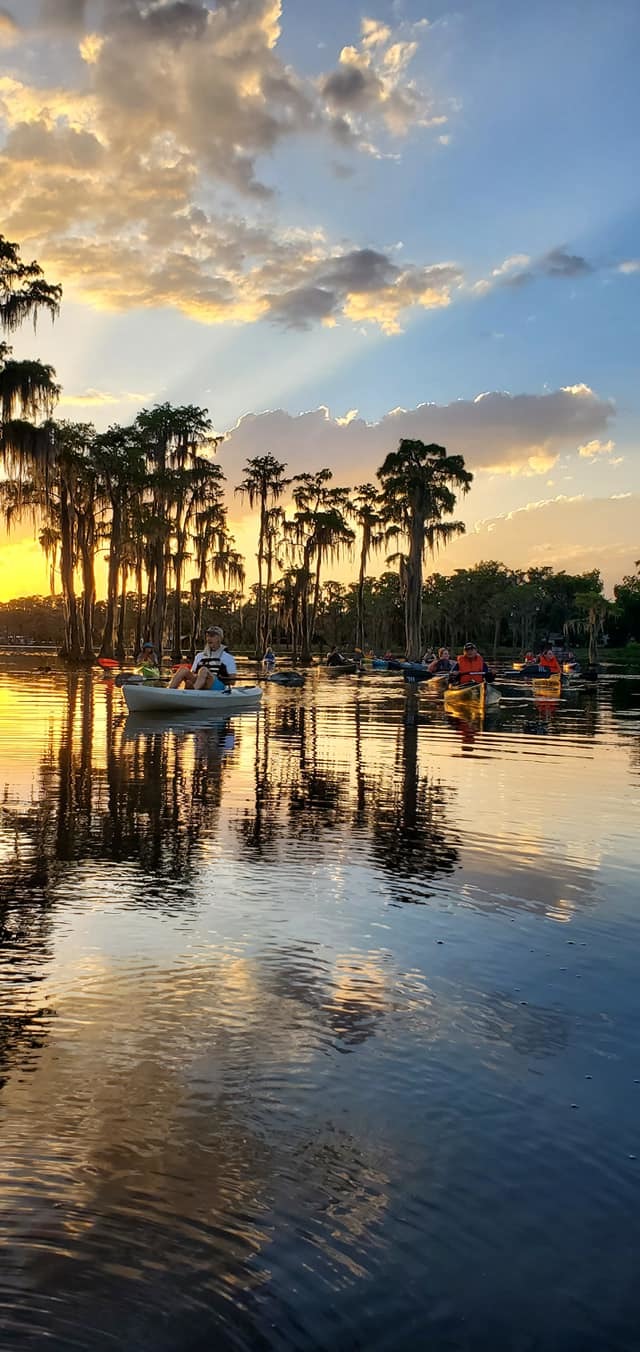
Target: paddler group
{"x": 469, "y": 668}
{"x": 546, "y": 664}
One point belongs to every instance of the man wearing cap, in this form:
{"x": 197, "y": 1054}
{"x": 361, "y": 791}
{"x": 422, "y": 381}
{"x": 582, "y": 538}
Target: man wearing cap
{"x": 213, "y": 663}
{"x": 470, "y": 667}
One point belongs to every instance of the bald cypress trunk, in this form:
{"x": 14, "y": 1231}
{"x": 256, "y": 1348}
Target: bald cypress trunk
{"x": 413, "y": 593}
{"x": 71, "y": 648}
{"x": 107, "y": 643}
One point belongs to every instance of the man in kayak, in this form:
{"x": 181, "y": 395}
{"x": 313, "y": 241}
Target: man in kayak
{"x": 470, "y": 667}
{"x": 211, "y": 669}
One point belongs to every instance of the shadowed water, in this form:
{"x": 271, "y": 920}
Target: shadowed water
{"x": 318, "y": 1026}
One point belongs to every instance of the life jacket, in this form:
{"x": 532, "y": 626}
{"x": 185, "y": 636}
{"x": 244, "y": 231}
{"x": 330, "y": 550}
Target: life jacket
{"x": 550, "y": 661}
{"x": 471, "y": 669}
{"x": 214, "y": 661}
{"x": 443, "y": 664}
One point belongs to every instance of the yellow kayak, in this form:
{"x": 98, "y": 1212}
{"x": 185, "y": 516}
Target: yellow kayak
{"x": 547, "y": 685}
{"x": 436, "y": 686}
{"x": 466, "y": 699}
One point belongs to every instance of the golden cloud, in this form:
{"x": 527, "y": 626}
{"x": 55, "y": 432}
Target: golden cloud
{"x": 102, "y": 398}
{"x": 90, "y": 47}
{"x": 576, "y": 533}
{"x": 105, "y": 180}
{"x": 590, "y": 449}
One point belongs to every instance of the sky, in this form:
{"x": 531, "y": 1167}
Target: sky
{"x": 335, "y": 225}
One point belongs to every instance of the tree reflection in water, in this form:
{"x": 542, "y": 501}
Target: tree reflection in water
{"x": 397, "y": 815}
{"x": 116, "y": 790}
{"x": 413, "y": 839}
{"x": 148, "y": 793}
{"x": 190, "y": 1156}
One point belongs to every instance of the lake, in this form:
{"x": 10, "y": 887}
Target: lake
{"x": 319, "y": 1027}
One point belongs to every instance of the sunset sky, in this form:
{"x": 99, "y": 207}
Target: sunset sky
{"x": 337, "y": 224}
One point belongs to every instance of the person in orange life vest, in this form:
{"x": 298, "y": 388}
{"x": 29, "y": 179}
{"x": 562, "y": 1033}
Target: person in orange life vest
{"x": 549, "y": 661}
{"x": 470, "y": 667}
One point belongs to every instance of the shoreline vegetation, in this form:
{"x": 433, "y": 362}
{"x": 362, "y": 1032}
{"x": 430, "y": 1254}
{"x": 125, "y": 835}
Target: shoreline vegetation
{"x": 150, "y": 499}
{"x": 32, "y": 622}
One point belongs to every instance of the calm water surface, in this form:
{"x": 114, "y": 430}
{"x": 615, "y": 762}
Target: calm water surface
{"x": 319, "y": 1027}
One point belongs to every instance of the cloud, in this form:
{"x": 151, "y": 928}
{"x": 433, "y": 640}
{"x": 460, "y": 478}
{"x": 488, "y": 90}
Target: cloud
{"x": 629, "y": 266}
{"x": 365, "y": 285}
{"x": 371, "y": 82}
{"x": 496, "y": 432}
{"x": 559, "y": 263}
{"x": 593, "y": 448}
{"x": 63, "y": 14}
{"x": 519, "y": 269}
{"x": 33, "y": 145}
{"x": 515, "y": 263}
{"x": 574, "y": 533}
{"x": 102, "y": 398}
{"x": 9, "y": 29}
{"x": 52, "y": 106}
{"x": 374, "y": 33}
{"x": 140, "y": 186}
{"x": 302, "y": 306}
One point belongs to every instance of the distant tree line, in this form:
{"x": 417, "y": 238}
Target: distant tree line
{"x": 498, "y": 607}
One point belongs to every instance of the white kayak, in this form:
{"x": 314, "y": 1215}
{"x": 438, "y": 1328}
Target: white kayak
{"x": 151, "y": 699}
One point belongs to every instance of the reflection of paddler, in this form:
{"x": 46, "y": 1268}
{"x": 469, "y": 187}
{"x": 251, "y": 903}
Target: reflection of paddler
{"x": 546, "y": 707}
{"x": 467, "y": 732}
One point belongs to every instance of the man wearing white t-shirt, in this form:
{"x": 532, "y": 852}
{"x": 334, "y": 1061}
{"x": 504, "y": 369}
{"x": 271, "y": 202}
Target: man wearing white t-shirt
{"x": 214, "y": 662}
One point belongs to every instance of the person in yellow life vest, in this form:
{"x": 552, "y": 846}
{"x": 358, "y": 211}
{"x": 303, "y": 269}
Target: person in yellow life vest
{"x": 470, "y": 667}
{"x": 549, "y": 661}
